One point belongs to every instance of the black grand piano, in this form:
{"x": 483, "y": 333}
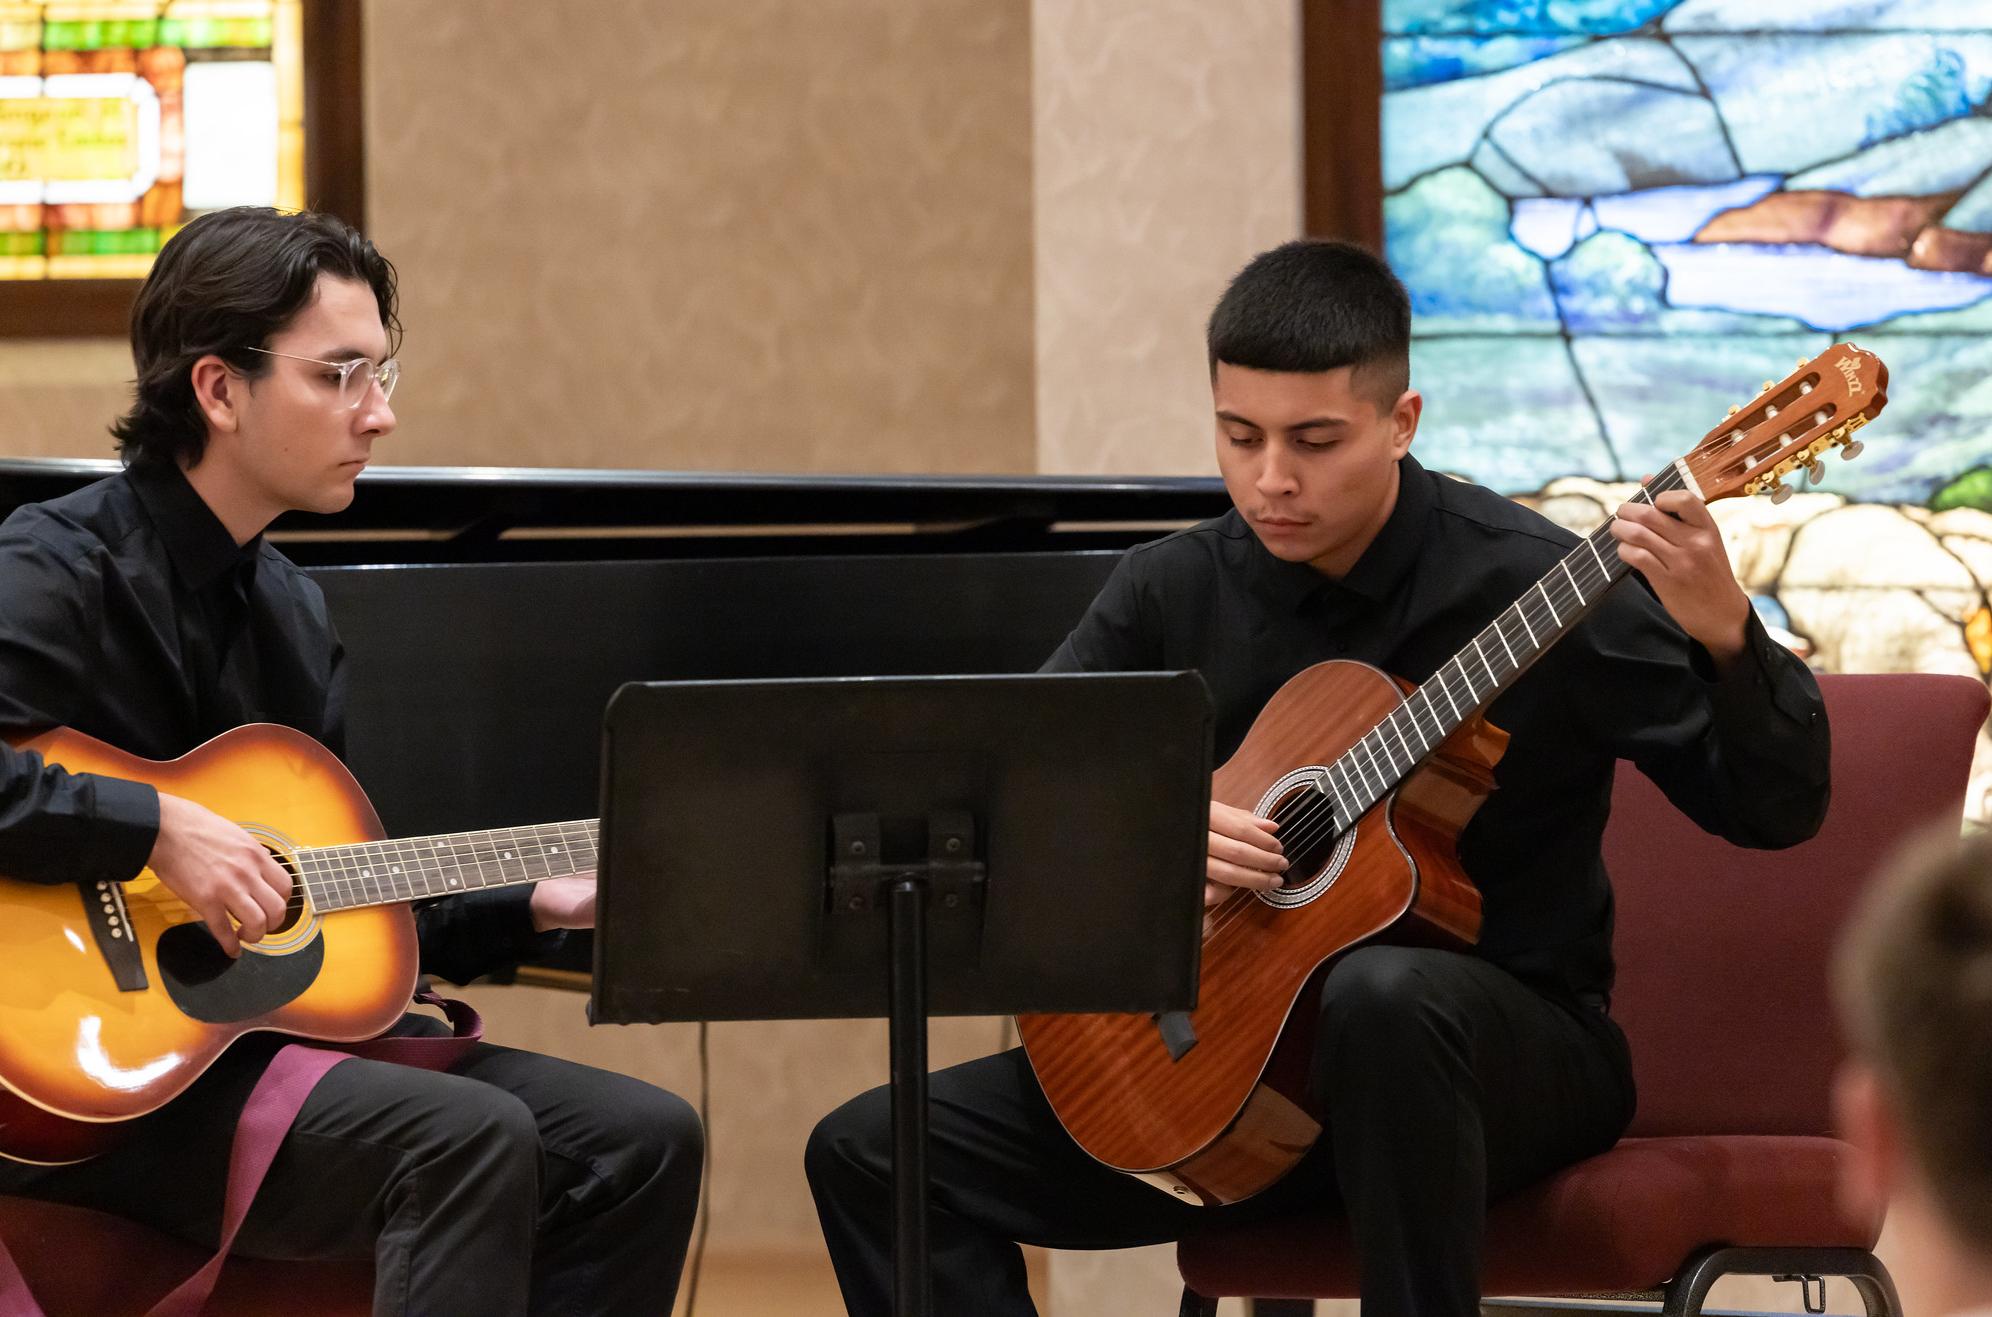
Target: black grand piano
{"x": 489, "y": 613}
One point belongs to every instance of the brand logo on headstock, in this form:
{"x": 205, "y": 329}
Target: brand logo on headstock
{"x": 1850, "y": 373}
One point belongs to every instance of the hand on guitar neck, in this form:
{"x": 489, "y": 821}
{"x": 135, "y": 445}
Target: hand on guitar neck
{"x": 225, "y": 875}
{"x": 564, "y": 903}
{"x": 1676, "y": 546}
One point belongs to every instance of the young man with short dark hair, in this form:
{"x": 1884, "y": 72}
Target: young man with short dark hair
{"x": 1446, "y": 1078}
{"x": 1913, "y": 979}
{"x": 148, "y": 611}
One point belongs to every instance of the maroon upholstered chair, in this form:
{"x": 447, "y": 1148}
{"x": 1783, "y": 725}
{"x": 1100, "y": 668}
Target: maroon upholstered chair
{"x": 1730, "y": 1163}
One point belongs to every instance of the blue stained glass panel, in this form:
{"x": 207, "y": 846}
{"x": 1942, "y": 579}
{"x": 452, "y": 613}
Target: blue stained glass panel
{"x": 1617, "y": 217}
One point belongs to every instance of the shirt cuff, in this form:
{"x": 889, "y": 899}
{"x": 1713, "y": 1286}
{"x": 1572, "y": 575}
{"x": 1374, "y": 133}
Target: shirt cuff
{"x": 1762, "y": 676}
{"x": 472, "y": 934}
{"x": 124, "y": 826}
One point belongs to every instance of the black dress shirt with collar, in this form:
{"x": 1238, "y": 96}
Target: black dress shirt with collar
{"x": 129, "y": 613}
{"x": 1743, "y": 751}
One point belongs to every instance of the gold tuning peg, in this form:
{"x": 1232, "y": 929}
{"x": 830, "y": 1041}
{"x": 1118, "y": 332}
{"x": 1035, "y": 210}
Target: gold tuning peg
{"x": 1780, "y": 492}
{"x": 1734, "y": 410}
{"x": 1803, "y": 362}
{"x": 1851, "y": 450}
{"x": 1813, "y": 472}
{"x": 1767, "y": 386}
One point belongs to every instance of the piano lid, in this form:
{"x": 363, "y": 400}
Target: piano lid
{"x": 486, "y": 514}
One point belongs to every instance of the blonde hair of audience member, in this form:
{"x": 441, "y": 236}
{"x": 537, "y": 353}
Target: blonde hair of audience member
{"x": 1913, "y": 979}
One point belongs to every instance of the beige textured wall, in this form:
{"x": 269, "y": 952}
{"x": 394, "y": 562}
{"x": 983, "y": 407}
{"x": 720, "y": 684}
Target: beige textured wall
{"x": 708, "y": 234}
{"x": 58, "y": 398}
{"x": 1167, "y": 154}
{"x": 736, "y": 234}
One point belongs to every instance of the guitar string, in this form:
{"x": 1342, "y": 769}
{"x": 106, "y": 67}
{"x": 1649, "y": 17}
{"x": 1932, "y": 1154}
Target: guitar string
{"x": 352, "y": 888}
{"x": 1318, "y": 818}
{"x": 400, "y": 855}
{"x": 1566, "y": 589}
{"x": 1316, "y": 821}
{"x": 1320, "y": 814}
{"x": 314, "y": 885}
{"x": 315, "y": 868}
{"x": 348, "y": 884}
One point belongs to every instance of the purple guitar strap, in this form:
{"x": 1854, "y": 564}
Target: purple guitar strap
{"x": 266, "y": 1118}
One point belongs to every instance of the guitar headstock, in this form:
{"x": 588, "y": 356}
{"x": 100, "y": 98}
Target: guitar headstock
{"x": 1790, "y": 425}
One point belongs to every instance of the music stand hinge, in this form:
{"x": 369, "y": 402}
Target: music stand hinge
{"x": 861, "y": 869}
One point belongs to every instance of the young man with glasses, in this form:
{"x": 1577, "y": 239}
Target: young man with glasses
{"x": 149, "y": 612}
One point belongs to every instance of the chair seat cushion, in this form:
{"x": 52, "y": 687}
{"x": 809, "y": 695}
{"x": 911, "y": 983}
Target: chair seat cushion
{"x": 81, "y": 1263}
{"x": 1623, "y": 1220}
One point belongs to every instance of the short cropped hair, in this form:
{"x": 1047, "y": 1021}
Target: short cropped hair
{"x": 1913, "y": 981}
{"x": 224, "y": 284}
{"x": 1313, "y": 305}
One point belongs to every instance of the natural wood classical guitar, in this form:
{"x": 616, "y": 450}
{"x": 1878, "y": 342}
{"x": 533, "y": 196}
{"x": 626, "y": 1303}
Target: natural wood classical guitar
{"x": 1371, "y": 780}
{"x": 113, "y": 996}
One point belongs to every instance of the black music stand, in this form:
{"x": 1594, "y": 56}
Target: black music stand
{"x": 851, "y": 847}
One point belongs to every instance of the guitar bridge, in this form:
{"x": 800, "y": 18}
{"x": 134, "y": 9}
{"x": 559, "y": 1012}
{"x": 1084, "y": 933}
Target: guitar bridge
{"x": 110, "y": 927}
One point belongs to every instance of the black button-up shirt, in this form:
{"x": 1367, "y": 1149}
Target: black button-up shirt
{"x": 128, "y": 612}
{"x": 1743, "y": 752}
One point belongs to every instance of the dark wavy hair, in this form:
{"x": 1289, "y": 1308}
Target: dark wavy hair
{"x": 223, "y": 285}
{"x": 1314, "y": 305}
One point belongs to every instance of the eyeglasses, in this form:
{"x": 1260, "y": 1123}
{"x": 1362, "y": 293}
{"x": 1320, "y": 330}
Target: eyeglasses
{"x": 354, "y": 375}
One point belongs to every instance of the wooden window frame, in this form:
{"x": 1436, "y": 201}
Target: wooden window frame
{"x": 1341, "y": 61}
{"x": 334, "y": 181}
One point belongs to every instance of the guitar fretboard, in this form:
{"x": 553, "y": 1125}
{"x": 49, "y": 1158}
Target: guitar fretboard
{"x": 1469, "y": 681}
{"x": 414, "y": 868}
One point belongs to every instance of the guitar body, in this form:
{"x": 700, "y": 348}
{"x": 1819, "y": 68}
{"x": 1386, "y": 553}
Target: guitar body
{"x": 78, "y": 1053}
{"x": 1230, "y": 1117}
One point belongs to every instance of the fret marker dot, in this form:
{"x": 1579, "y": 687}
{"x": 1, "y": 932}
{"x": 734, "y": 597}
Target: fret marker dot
{"x": 507, "y": 854}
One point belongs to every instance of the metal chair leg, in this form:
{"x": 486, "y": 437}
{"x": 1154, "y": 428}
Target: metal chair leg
{"x": 1688, "y": 1290}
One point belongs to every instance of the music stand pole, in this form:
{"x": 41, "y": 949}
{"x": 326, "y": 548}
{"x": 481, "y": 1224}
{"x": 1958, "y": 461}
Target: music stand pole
{"x": 908, "y": 899}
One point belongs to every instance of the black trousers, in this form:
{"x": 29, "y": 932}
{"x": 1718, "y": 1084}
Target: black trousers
{"x": 1445, "y": 1081}
{"x": 514, "y": 1183}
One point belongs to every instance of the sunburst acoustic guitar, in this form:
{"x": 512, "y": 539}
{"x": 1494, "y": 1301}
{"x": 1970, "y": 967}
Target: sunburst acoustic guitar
{"x": 1371, "y": 780}
{"x": 114, "y": 997}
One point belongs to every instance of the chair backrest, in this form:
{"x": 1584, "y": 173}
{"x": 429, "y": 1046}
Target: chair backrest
{"x": 1722, "y": 952}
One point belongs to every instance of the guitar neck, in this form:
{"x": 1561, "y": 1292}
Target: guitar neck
{"x": 414, "y": 868}
{"x": 1470, "y": 680}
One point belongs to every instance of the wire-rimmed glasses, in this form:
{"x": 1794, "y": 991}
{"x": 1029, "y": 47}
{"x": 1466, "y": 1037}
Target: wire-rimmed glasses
{"x": 354, "y": 375}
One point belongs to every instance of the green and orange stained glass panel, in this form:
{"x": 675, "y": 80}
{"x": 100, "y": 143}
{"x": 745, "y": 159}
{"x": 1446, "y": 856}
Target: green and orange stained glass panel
{"x": 120, "y": 120}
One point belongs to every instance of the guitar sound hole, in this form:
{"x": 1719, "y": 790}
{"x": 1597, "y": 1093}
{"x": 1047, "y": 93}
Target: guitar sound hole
{"x": 1308, "y": 831}
{"x": 294, "y": 905}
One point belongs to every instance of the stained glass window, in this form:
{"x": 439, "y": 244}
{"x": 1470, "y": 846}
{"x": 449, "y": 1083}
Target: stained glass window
{"x": 122, "y": 119}
{"x": 1618, "y": 217}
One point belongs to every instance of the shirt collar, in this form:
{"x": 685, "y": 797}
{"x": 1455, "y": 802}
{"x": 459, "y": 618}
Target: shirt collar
{"x": 200, "y": 547}
{"x": 1381, "y": 566}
